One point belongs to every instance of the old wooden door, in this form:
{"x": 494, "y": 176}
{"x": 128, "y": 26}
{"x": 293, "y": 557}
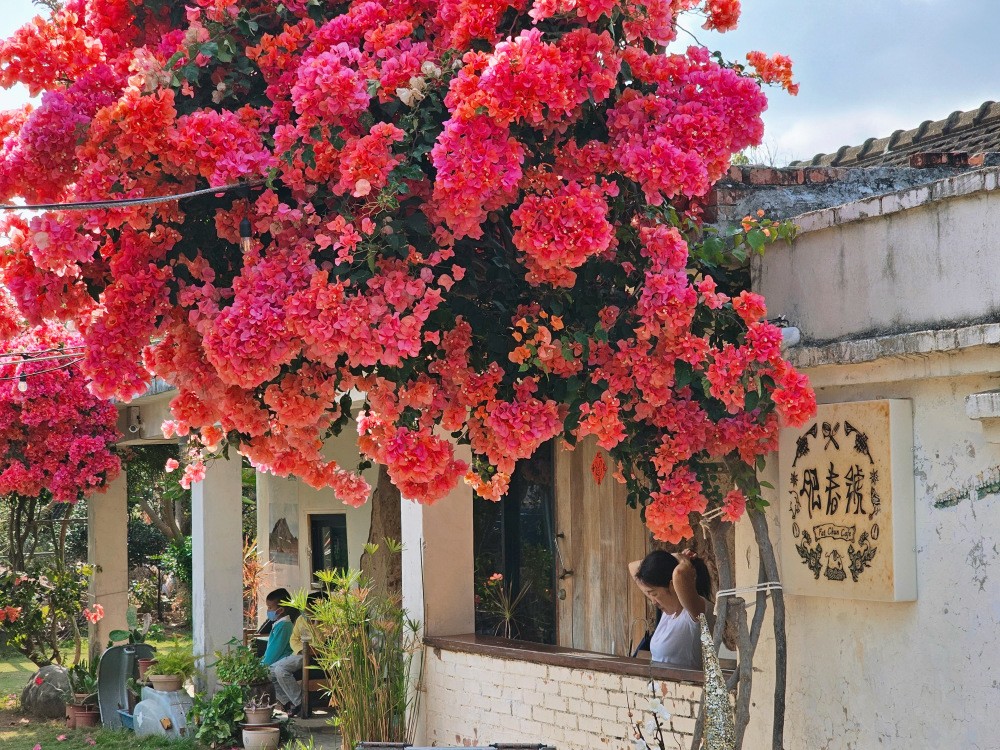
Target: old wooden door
{"x": 597, "y": 534}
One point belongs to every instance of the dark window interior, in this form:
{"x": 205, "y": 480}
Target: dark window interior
{"x": 328, "y": 536}
{"x": 514, "y": 538}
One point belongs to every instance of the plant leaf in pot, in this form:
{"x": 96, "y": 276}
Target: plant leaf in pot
{"x": 259, "y": 710}
{"x": 172, "y": 668}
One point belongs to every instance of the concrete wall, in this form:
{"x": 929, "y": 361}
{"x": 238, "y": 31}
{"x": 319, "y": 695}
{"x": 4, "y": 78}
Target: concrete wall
{"x": 471, "y": 699}
{"x": 917, "y": 263}
{"x": 295, "y": 501}
{"x": 911, "y": 674}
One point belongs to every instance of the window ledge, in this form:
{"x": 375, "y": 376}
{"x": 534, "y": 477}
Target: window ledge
{"x": 539, "y": 653}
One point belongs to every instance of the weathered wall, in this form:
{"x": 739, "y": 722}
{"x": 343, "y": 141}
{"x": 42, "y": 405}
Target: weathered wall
{"x": 295, "y": 501}
{"x": 471, "y": 699}
{"x": 924, "y": 261}
{"x": 910, "y": 674}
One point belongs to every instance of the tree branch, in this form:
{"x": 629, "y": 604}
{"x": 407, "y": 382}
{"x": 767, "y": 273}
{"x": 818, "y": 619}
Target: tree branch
{"x": 770, "y": 565}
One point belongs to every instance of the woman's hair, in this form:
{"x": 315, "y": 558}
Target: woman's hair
{"x": 657, "y": 569}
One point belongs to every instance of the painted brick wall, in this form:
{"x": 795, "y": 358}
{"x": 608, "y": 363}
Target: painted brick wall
{"x": 472, "y": 699}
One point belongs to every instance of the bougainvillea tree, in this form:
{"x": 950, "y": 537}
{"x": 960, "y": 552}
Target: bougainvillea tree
{"x": 56, "y": 447}
{"x": 56, "y": 438}
{"x": 482, "y": 214}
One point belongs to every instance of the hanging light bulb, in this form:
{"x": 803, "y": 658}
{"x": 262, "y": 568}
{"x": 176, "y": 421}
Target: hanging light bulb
{"x": 22, "y": 384}
{"x": 246, "y": 235}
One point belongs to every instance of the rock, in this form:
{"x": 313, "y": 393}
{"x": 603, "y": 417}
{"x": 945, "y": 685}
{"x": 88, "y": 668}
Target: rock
{"x": 43, "y": 695}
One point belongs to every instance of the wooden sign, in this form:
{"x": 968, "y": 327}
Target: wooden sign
{"x": 846, "y": 503}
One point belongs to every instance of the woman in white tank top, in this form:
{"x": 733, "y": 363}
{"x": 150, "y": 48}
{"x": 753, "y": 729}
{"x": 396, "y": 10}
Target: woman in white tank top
{"x": 671, "y": 583}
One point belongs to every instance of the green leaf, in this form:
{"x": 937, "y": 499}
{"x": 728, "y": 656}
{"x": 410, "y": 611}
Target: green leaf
{"x": 756, "y": 239}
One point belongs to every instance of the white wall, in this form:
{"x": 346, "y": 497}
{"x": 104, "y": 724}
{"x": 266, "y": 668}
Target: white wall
{"x": 302, "y": 500}
{"x": 472, "y": 699}
{"x": 913, "y": 674}
{"x": 920, "y": 267}
{"x": 923, "y": 674}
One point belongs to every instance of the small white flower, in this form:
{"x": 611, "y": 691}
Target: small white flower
{"x": 650, "y": 727}
{"x": 658, "y": 709}
{"x": 418, "y": 84}
{"x": 640, "y": 744}
{"x": 406, "y": 96}
{"x": 430, "y": 70}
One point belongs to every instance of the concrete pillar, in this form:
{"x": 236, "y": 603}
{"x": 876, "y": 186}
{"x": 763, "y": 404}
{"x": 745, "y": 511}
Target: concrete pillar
{"x": 438, "y": 561}
{"x": 217, "y": 560}
{"x": 438, "y": 586}
{"x": 107, "y": 551}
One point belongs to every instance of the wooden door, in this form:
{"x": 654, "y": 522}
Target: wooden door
{"x": 598, "y": 607}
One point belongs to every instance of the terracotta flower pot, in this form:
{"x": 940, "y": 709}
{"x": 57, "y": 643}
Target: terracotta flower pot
{"x": 70, "y": 716}
{"x": 143, "y": 666}
{"x": 263, "y": 738}
{"x": 87, "y": 717}
{"x": 166, "y": 683}
{"x": 259, "y": 715}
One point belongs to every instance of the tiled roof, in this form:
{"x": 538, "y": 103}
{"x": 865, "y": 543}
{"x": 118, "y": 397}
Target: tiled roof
{"x": 975, "y": 131}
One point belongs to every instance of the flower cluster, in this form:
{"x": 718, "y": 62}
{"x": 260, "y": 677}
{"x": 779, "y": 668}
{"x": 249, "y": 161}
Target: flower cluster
{"x": 775, "y": 69}
{"x": 480, "y": 217}
{"x": 55, "y": 436}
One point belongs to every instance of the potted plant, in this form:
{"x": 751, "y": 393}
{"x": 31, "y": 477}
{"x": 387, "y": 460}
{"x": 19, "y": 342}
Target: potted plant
{"x": 239, "y": 665}
{"x": 366, "y": 642}
{"x": 87, "y": 716}
{"x": 261, "y": 738}
{"x": 134, "y": 690}
{"x": 80, "y": 708}
{"x": 139, "y": 629}
{"x": 259, "y": 709}
{"x": 218, "y": 717}
{"x": 172, "y": 669}
{"x": 83, "y": 683}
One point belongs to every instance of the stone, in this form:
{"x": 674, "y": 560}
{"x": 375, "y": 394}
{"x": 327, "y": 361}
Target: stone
{"x": 43, "y": 695}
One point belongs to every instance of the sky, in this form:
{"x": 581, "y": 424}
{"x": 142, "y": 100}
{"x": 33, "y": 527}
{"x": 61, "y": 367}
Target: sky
{"x": 865, "y": 67}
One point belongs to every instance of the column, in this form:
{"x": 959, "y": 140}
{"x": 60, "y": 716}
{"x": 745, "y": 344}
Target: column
{"x": 217, "y": 560}
{"x": 107, "y": 551}
{"x": 438, "y": 586}
{"x": 438, "y": 562}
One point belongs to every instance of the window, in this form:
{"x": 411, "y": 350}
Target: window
{"x": 514, "y": 555}
{"x": 328, "y": 537}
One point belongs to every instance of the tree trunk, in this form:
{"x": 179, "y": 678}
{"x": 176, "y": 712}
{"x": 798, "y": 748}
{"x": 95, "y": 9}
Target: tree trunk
{"x": 384, "y": 568}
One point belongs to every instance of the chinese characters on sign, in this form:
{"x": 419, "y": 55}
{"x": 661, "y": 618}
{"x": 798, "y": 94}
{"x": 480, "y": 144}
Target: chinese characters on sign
{"x": 846, "y": 495}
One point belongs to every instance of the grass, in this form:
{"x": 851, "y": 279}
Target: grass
{"x": 15, "y": 671}
{"x": 47, "y": 735}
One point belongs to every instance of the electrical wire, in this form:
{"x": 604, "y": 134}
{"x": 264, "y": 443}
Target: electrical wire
{"x": 90, "y": 205}
{"x": 25, "y": 375}
{"x": 17, "y": 359}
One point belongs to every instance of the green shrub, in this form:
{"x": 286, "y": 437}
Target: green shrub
{"x": 240, "y": 665}
{"x": 218, "y": 718}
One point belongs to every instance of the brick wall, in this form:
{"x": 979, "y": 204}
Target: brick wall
{"x": 472, "y": 699}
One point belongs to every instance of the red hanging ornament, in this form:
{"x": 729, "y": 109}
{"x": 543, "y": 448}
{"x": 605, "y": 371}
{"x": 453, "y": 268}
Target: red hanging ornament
{"x": 598, "y": 468}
